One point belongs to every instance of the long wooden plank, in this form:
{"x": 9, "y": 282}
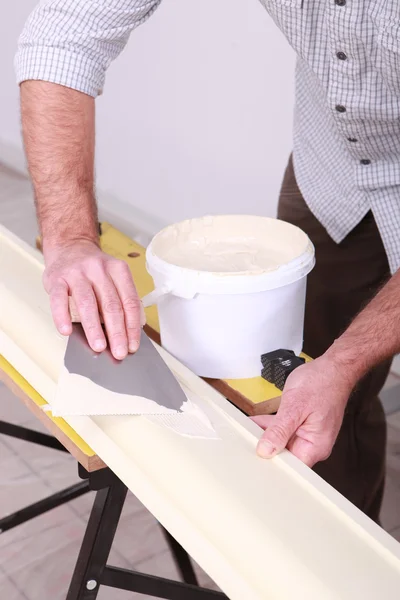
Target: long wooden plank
{"x": 261, "y": 529}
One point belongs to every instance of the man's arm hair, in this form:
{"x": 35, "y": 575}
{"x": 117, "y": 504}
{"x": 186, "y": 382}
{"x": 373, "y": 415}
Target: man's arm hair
{"x": 63, "y": 54}
{"x": 58, "y": 131}
{"x": 373, "y": 336}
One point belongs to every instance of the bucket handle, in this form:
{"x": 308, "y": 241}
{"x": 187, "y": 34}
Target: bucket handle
{"x": 155, "y": 295}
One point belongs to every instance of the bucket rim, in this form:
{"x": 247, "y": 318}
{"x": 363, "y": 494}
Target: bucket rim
{"x": 186, "y": 283}
{"x": 152, "y": 256}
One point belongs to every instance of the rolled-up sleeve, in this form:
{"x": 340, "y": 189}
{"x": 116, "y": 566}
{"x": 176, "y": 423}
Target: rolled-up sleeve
{"x": 73, "y": 42}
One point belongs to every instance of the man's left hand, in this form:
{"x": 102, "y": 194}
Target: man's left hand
{"x": 310, "y": 414}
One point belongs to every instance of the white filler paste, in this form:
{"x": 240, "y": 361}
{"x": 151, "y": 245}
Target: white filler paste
{"x": 230, "y": 244}
{"x": 94, "y": 400}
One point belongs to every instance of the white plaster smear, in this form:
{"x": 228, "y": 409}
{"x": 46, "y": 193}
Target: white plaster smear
{"x": 78, "y": 395}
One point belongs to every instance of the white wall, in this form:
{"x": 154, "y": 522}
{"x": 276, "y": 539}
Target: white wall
{"x": 196, "y": 115}
{"x": 12, "y": 20}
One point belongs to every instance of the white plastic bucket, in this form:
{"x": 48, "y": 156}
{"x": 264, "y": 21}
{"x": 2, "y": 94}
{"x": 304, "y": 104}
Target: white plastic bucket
{"x": 229, "y": 288}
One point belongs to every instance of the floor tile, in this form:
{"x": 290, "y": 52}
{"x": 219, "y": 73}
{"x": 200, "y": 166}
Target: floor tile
{"x": 394, "y": 420}
{"x": 83, "y": 505}
{"x": 32, "y": 422}
{"x": 19, "y": 486}
{"x": 13, "y": 409}
{"x": 390, "y": 398}
{"x": 5, "y": 451}
{"x": 392, "y": 381}
{"x": 9, "y": 591}
{"x": 393, "y": 447}
{"x": 49, "y": 577}
{"x": 13, "y": 539}
{"x": 21, "y": 554}
{"x": 390, "y": 513}
{"x": 204, "y": 579}
{"x": 139, "y": 537}
{"x": 41, "y": 460}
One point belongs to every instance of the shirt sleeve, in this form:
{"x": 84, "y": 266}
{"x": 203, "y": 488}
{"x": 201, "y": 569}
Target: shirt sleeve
{"x": 73, "y": 42}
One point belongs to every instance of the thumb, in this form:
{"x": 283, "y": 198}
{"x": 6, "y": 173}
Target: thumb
{"x": 278, "y": 434}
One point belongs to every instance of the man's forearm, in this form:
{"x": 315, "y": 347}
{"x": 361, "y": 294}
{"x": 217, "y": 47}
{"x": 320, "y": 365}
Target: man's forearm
{"x": 58, "y": 130}
{"x": 373, "y": 336}
{"x": 315, "y": 395}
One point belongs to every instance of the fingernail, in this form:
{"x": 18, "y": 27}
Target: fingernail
{"x": 133, "y": 346}
{"x": 120, "y": 352}
{"x": 265, "y": 449}
{"x": 99, "y": 345}
{"x": 65, "y": 329}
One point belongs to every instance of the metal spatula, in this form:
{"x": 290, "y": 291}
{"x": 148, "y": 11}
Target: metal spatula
{"x": 93, "y": 383}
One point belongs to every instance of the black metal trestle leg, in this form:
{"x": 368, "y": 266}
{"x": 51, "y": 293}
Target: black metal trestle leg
{"x": 97, "y": 542}
{"x": 30, "y": 435}
{"x": 91, "y": 569}
{"x": 182, "y": 559}
{"x": 42, "y": 506}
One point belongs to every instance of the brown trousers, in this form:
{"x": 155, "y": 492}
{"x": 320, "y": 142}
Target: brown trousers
{"x": 345, "y": 278}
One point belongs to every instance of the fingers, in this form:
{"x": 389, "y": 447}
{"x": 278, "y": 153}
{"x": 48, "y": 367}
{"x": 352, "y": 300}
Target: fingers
{"x": 279, "y": 432}
{"x": 59, "y": 307}
{"x": 113, "y": 314}
{"x": 96, "y": 282}
{"x": 283, "y": 431}
{"x": 130, "y": 302}
{"x": 116, "y": 297}
{"x": 310, "y": 414}
{"x": 86, "y": 305}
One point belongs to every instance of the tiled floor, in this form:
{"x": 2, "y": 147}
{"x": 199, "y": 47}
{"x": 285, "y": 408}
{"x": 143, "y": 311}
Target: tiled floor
{"x": 37, "y": 559}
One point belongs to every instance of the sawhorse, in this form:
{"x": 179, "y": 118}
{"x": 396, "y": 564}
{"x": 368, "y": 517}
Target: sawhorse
{"x": 92, "y": 570}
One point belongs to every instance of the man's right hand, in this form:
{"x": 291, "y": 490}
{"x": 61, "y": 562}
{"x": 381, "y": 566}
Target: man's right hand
{"x": 99, "y": 285}
{"x": 58, "y": 124}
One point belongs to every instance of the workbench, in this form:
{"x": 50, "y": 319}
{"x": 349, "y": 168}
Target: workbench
{"x": 252, "y": 396}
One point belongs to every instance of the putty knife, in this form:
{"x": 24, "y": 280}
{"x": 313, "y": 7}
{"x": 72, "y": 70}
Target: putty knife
{"x": 93, "y": 383}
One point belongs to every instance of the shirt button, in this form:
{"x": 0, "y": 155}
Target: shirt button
{"x": 340, "y": 2}
{"x": 340, "y": 108}
{"x": 341, "y": 55}
{"x": 365, "y": 161}
{"x": 352, "y": 139}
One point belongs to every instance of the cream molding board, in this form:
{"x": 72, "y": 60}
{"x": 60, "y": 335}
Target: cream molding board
{"x": 261, "y": 529}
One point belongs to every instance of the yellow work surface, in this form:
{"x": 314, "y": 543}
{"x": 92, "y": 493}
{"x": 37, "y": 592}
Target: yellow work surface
{"x": 252, "y": 395}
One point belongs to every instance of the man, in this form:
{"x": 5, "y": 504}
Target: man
{"x": 342, "y": 188}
